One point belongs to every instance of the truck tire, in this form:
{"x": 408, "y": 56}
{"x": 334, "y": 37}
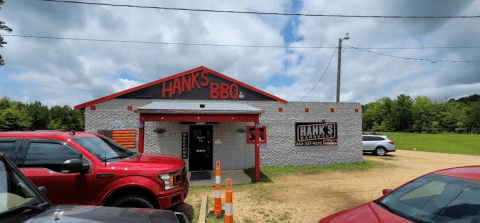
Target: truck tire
{"x": 380, "y": 151}
{"x": 133, "y": 201}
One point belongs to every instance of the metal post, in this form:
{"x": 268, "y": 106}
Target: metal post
{"x": 339, "y": 68}
{"x": 257, "y": 152}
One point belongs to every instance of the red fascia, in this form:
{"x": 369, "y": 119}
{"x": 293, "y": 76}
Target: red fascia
{"x": 106, "y": 98}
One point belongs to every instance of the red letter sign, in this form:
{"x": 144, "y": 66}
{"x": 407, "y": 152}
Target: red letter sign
{"x": 223, "y": 91}
{"x": 206, "y": 80}
{"x": 176, "y": 86}
{"x": 194, "y": 81}
{"x": 234, "y": 96}
{"x": 167, "y": 89}
{"x": 213, "y": 90}
{"x": 186, "y": 84}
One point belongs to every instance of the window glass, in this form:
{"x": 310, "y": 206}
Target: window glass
{"x": 436, "y": 198}
{"x": 6, "y": 147}
{"x": 378, "y": 138}
{"x": 14, "y": 191}
{"x": 49, "y": 155}
{"x": 103, "y": 147}
{"x": 251, "y": 134}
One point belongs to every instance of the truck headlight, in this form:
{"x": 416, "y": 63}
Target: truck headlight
{"x": 168, "y": 180}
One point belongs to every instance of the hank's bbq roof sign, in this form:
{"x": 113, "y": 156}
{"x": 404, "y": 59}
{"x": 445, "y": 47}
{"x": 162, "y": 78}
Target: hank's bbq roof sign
{"x": 316, "y": 134}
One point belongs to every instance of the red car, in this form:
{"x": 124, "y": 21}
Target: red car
{"x": 449, "y": 195}
{"x": 90, "y": 169}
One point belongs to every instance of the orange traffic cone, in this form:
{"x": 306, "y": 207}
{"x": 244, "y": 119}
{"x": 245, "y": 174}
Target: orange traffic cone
{"x": 228, "y": 202}
{"x": 217, "y": 209}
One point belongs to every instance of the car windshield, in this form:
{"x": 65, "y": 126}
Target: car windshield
{"x": 103, "y": 148}
{"x": 436, "y": 198}
{"x": 14, "y": 192}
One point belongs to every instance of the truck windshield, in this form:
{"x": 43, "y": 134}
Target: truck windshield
{"x": 103, "y": 148}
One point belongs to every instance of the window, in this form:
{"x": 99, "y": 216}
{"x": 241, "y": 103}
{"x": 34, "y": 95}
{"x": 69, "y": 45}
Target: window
{"x": 6, "y": 146}
{"x": 368, "y": 138}
{"x": 436, "y": 198}
{"x": 103, "y": 148}
{"x": 49, "y": 155}
{"x": 378, "y": 139}
{"x": 251, "y": 134}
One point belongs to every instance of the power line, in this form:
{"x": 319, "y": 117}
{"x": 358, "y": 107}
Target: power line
{"x": 228, "y": 45}
{"x": 401, "y": 68}
{"x": 419, "y": 48}
{"x": 263, "y": 13}
{"x": 166, "y": 43}
{"x": 321, "y": 76}
{"x": 421, "y": 59}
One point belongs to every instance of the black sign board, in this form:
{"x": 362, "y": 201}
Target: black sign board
{"x": 316, "y": 134}
{"x": 200, "y": 84}
{"x": 184, "y": 145}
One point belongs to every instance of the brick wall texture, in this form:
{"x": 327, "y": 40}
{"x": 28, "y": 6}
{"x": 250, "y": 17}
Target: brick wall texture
{"x": 233, "y": 151}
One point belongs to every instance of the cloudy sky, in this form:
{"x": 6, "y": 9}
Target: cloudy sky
{"x": 59, "y": 72}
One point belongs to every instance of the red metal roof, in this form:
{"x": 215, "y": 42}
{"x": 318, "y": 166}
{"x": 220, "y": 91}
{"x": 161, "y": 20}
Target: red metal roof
{"x": 106, "y": 98}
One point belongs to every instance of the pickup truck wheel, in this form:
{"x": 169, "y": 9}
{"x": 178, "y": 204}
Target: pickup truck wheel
{"x": 133, "y": 201}
{"x": 380, "y": 151}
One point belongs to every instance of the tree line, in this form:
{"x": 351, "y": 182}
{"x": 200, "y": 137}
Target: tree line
{"x": 421, "y": 114}
{"x": 17, "y": 116}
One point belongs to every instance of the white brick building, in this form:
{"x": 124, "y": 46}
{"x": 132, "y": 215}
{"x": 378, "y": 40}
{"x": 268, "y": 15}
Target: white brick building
{"x": 207, "y": 108}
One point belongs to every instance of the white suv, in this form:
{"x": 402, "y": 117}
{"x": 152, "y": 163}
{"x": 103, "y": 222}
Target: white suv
{"x": 378, "y": 144}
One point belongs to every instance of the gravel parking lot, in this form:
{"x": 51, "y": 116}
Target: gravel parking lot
{"x": 323, "y": 194}
{"x": 308, "y": 197}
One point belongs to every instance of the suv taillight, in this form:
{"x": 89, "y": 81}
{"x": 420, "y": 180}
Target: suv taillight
{"x": 391, "y": 142}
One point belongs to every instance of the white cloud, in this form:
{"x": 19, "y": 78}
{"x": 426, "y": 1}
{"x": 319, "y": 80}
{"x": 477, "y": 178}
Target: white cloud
{"x": 73, "y": 72}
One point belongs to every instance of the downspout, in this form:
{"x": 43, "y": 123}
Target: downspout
{"x": 141, "y": 134}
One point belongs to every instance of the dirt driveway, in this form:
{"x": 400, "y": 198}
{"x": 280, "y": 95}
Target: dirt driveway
{"x": 308, "y": 197}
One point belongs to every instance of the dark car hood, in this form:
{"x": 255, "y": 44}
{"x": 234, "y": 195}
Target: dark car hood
{"x": 369, "y": 212}
{"x": 67, "y": 213}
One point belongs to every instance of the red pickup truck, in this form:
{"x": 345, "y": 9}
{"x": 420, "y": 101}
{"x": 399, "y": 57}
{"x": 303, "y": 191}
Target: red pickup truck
{"x": 90, "y": 169}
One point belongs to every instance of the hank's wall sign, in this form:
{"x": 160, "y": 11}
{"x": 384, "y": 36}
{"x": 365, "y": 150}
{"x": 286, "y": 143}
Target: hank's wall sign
{"x": 316, "y": 134}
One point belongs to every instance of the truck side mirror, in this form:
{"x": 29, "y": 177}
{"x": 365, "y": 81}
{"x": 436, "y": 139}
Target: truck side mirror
{"x": 72, "y": 166}
{"x": 43, "y": 190}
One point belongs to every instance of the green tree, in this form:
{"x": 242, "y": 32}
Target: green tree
{"x": 423, "y": 113}
{"x": 40, "y": 116}
{"x": 66, "y": 119}
{"x": 5, "y": 28}
{"x": 14, "y": 118}
{"x": 472, "y": 116}
{"x": 403, "y": 112}
{"x": 451, "y": 113}
{"x": 4, "y": 103}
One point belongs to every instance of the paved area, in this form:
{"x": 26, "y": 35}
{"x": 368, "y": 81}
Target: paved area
{"x": 237, "y": 176}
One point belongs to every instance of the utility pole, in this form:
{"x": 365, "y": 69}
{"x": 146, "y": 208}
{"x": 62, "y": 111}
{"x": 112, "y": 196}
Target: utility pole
{"x": 340, "y": 64}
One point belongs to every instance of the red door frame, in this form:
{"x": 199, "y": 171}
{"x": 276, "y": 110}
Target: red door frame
{"x": 144, "y": 117}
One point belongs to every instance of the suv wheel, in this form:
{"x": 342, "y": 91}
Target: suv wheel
{"x": 380, "y": 151}
{"x": 133, "y": 201}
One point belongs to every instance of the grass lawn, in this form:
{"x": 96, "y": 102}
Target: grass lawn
{"x": 444, "y": 143}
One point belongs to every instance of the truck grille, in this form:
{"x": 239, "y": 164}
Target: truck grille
{"x": 184, "y": 175}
